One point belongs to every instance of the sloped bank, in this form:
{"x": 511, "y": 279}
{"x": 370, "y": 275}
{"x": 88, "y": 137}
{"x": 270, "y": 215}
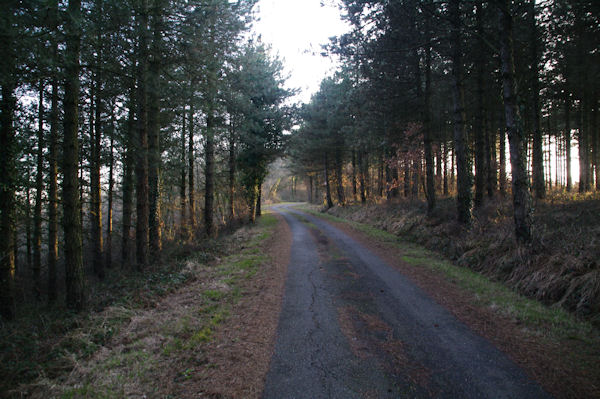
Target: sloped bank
{"x": 559, "y": 268}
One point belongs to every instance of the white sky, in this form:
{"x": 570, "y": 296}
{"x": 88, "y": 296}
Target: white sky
{"x": 296, "y": 29}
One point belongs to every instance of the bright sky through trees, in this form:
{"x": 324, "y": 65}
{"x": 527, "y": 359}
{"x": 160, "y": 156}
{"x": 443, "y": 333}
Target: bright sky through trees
{"x": 296, "y": 29}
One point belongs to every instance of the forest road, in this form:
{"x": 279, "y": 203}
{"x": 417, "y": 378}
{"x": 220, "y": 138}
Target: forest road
{"x": 351, "y": 326}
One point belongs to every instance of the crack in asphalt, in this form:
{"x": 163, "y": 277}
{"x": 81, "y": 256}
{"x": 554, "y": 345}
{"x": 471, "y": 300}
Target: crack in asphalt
{"x": 316, "y": 360}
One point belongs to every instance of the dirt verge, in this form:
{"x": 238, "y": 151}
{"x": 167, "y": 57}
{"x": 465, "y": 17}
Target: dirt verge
{"x": 212, "y": 336}
{"x": 241, "y": 351}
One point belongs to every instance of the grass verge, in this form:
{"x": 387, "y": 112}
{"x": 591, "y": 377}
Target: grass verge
{"x": 147, "y": 334}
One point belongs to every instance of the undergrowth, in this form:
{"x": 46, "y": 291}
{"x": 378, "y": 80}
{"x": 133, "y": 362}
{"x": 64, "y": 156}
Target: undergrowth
{"x": 55, "y": 353}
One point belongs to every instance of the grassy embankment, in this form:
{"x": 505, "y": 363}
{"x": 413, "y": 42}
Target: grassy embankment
{"x": 140, "y": 325}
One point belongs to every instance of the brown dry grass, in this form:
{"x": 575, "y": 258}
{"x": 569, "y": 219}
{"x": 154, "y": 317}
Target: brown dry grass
{"x": 241, "y": 351}
{"x": 212, "y": 337}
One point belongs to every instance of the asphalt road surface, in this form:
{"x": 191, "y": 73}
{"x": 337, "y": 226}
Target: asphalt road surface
{"x": 351, "y": 326}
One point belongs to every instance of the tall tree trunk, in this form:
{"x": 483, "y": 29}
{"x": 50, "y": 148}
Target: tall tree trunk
{"x": 37, "y": 213}
{"x": 582, "y": 138}
{"x": 154, "y": 161}
{"x": 53, "y": 184}
{"x": 80, "y": 177}
{"x": 388, "y": 181}
{"x": 209, "y": 171}
{"x": 327, "y": 186}
{"x": 111, "y": 183}
{"x": 231, "y": 171}
{"x": 361, "y": 177}
{"x": 380, "y": 175}
{"x": 568, "y": 142}
{"x": 406, "y": 178}
{"x": 445, "y": 168}
{"x": 74, "y": 272}
{"x": 490, "y": 155}
{"x": 354, "y": 191}
{"x": 596, "y": 133}
{"x": 7, "y": 164}
{"x": 252, "y": 202}
{"x": 128, "y": 185}
{"x": 259, "y": 201}
{"x": 438, "y": 168}
{"x": 502, "y": 177}
{"x": 427, "y": 134}
{"x": 516, "y": 135}
{"x": 183, "y": 171}
{"x": 480, "y": 133}
{"x": 191, "y": 186}
{"x": 463, "y": 167}
{"x": 142, "y": 194}
{"x": 95, "y": 185}
{"x": 28, "y": 239}
{"x": 340, "y": 177}
{"x": 452, "y": 166}
{"x": 539, "y": 185}
{"x": 366, "y": 175}
{"x": 310, "y": 189}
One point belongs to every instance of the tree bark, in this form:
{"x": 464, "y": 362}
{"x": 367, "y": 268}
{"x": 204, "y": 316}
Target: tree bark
{"x": 361, "y": 177}
{"x": 231, "y": 170}
{"x": 154, "y": 161}
{"x": 427, "y": 134}
{"x": 340, "y": 177}
{"x": 539, "y": 185}
{"x": 95, "y": 186}
{"x": 209, "y": 172}
{"x": 142, "y": 190}
{"x": 7, "y": 165}
{"x": 490, "y": 155}
{"x": 327, "y": 186}
{"x": 37, "y": 213}
{"x": 191, "y": 187}
{"x": 445, "y": 168}
{"x": 582, "y": 141}
{"x": 74, "y": 272}
{"x": 128, "y": 185}
{"x": 354, "y": 191}
{"x": 259, "y": 201}
{"x": 463, "y": 167}
{"x": 28, "y": 239}
{"x": 111, "y": 183}
{"x": 568, "y": 142}
{"x": 516, "y": 135}
{"x": 596, "y": 147}
{"x": 183, "y": 172}
{"x": 53, "y": 184}
{"x": 480, "y": 169}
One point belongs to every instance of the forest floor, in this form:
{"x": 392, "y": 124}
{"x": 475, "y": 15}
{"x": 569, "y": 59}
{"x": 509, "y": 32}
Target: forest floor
{"x": 199, "y": 326}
